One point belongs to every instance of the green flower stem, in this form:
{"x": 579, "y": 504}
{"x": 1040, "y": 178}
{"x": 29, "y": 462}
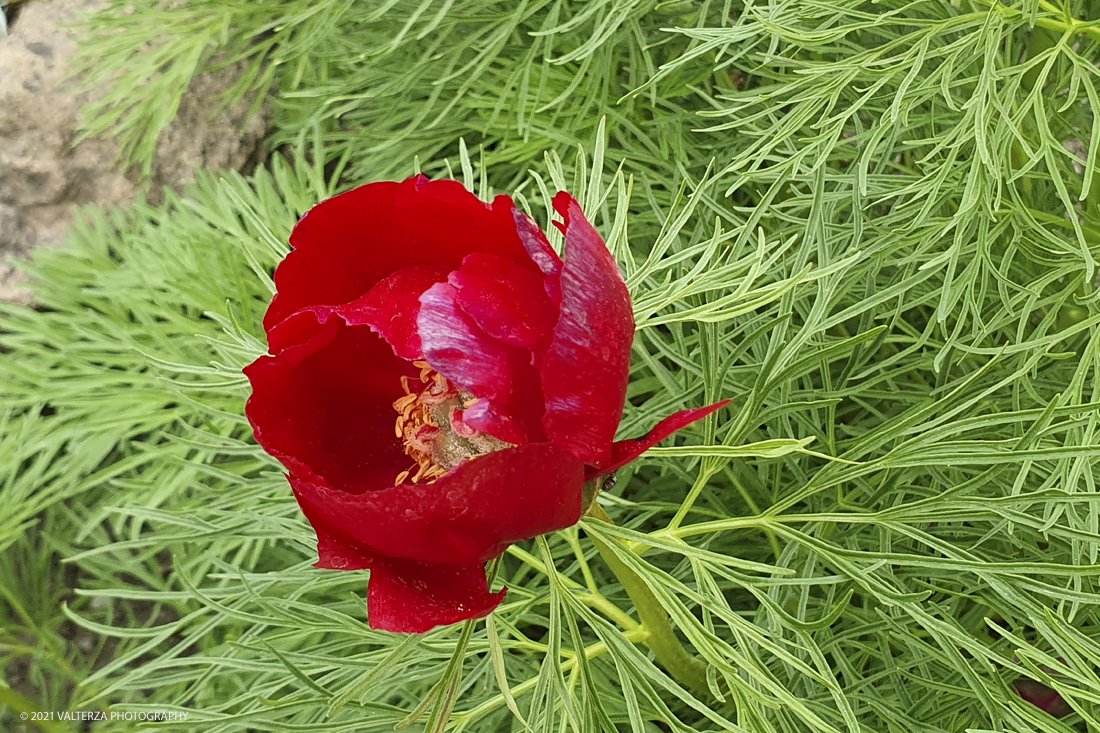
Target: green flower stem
{"x": 588, "y": 598}
{"x": 589, "y": 653}
{"x": 685, "y": 668}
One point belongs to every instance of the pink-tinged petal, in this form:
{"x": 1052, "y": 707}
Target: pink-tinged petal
{"x": 484, "y": 417}
{"x": 344, "y": 246}
{"x": 405, "y": 596}
{"x": 586, "y": 369}
{"x": 469, "y": 515}
{"x": 626, "y": 451}
{"x": 459, "y": 350}
{"x": 391, "y": 308}
{"x": 499, "y": 375}
{"x": 541, "y": 253}
{"x": 323, "y": 404}
{"x": 506, "y": 301}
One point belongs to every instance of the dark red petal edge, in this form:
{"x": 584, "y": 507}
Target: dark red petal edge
{"x": 412, "y": 597}
{"x": 346, "y": 244}
{"x": 1043, "y": 697}
{"x": 407, "y": 596}
{"x": 470, "y": 515}
{"x": 586, "y": 369}
{"x": 626, "y": 451}
{"x": 332, "y": 554}
{"x": 260, "y": 408}
{"x": 391, "y": 308}
{"x": 325, "y": 397}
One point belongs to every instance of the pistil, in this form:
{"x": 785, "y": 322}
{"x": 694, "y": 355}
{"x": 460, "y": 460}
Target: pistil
{"x": 431, "y": 425}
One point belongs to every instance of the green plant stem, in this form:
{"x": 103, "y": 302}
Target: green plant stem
{"x": 685, "y": 668}
{"x": 1067, "y": 25}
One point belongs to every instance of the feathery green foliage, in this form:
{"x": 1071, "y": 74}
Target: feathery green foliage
{"x": 867, "y": 223}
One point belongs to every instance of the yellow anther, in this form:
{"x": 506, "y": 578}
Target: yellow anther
{"x": 425, "y": 415}
{"x": 414, "y": 415}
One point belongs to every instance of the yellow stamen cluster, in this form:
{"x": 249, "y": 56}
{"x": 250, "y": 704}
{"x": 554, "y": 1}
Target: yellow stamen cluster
{"x": 430, "y": 424}
{"x": 418, "y": 425}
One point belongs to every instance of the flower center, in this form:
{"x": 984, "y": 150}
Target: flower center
{"x": 429, "y": 421}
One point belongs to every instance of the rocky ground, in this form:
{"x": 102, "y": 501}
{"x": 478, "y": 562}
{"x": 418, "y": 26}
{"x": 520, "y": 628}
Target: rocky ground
{"x": 43, "y": 176}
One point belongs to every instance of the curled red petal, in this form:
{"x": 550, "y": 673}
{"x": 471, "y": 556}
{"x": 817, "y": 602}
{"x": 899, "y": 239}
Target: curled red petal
{"x": 410, "y": 596}
{"x": 506, "y": 301}
{"x": 626, "y": 451}
{"x": 500, "y": 375}
{"x": 333, "y": 554}
{"x": 469, "y": 515}
{"x": 391, "y": 308}
{"x": 268, "y": 376}
{"x": 406, "y": 596}
{"x": 537, "y": 245}
{"x": 586, "y": 368}
{"x": 323, "y": 404}
{"x": 332, "y": 260}
{"x": 345, "y": 245}
{"x": 541, "y": 253}
{"x": 442, "y": 216}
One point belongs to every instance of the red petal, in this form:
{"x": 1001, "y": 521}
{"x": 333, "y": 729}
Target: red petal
{"x": 508, "y": 302}
{"x": 499, "y": 375}
{"x": 470, "y": 515}
{"x": 586, "y": 369}
{"x": 485, "y": 417}
{"x": 443, "y": 217}
{"x": 541, "y": 253}
{"x": 412, "y": 597}
{"x": 392, "y": 306}
{"x": 333, "y": 554}
{"x": 323, "y": 404}
{"x": 409, "y": 596}
{"x": 333, "y": 261}
{"x": 344, "y": 246}
{"x": 626, "y": 451}
{"x": 537, "y": 245}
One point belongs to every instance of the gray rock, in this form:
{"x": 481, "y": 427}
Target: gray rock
{"x": 198, "y": 139}
{"x": 43, "y": 177}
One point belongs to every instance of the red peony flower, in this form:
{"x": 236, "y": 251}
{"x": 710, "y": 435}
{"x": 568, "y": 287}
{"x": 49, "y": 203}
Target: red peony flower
{"x": 441, "y": 384}
{"x": 1045, "y": 698}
